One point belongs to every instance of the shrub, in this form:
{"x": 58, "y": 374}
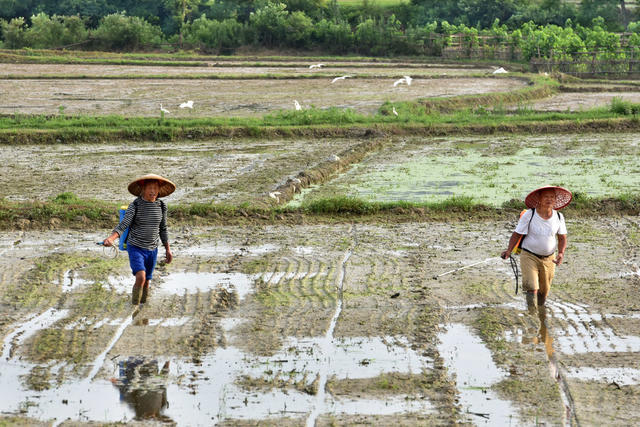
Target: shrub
{"x": 224, "y": 36}
{"x": 336, "y": 37}
{"x": 46, "y": 32}
{"x": 120, "y": 32}
{"x": 14, "y": 33}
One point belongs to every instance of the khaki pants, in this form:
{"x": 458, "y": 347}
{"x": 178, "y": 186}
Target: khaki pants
{"x": 537, "y": 273}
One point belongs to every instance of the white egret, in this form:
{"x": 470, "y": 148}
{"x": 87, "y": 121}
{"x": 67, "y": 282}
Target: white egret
{"x": 404, "y": 79}
{"x": 297, "y": 104}
{"x": 188, "y": 104}
{"x": 164, "y": 110}
{"x": 275, "y": 195}
{"x": 394, "y": 111}
{"x": 339, "y": 78}
{"x": 500, "y": 71}
{"x": 311, "y": 67}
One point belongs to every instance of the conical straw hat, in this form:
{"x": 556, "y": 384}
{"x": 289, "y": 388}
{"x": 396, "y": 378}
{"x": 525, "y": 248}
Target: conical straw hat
{"x": 166, "y": 187}
{"x": 563, "y": 197}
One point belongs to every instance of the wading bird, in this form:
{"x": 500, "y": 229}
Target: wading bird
{"x": 394, "y": 111}
{"x": 500, "y": 71}
{"x": 297, "y": 104}
{"x": 164, "y": 110}
{"x": 311, "y": 67}
{"x": 339, "y": 78}
{"x": 188, "y": 104}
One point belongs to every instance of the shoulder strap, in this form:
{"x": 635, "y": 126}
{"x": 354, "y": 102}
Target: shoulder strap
{"x": 135, "y": 212}
{"x": 533, "y": 211}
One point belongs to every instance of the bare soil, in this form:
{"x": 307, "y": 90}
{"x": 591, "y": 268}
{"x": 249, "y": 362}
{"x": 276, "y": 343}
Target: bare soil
{"x": 229, "y": 68}
{"x": 142, "y": 97}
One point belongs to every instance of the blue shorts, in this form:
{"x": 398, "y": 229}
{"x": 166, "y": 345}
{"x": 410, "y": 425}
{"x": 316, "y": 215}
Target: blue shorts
{"x": 142, "y": 260}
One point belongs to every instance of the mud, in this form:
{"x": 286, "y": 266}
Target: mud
{"x": 330, "y": 70}
{"x": 247, "y": 325}
{"x": 234, "y": 171}
{"x": 225, "y": 97}
{"x": 584, "y": 101}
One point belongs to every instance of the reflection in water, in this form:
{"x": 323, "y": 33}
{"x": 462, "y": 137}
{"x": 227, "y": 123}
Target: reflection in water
{"x": 143, "y": 386}
{"x": 545, "y": 338}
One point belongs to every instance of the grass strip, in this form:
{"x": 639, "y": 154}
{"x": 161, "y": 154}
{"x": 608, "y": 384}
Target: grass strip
{"x": 69, "y": 212}
{"x": 188, "y": 58}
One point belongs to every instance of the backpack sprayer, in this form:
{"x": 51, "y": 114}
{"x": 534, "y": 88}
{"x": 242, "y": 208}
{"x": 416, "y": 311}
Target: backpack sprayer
{"x": 112, "y": 252}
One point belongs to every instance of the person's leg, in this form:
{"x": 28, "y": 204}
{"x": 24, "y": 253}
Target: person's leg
{"x": 529, "y": 268}
{"x": 547, "y": 271}
{"x": 150, "y": 263}
{"x": 136, "y": 293}
{"x": 136, "y": 262}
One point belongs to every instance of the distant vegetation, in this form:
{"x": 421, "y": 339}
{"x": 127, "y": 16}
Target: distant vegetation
{"x": 368, "y": 27}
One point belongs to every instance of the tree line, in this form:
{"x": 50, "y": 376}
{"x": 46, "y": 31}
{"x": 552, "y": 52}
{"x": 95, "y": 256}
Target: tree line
{"x": 424, "y": 27}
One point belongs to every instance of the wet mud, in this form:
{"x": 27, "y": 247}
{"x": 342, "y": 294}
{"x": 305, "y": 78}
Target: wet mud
{"x": 142, "y": 97}
{"x": 321, "y": 325}
{"x": 329, "y": 70}
{"x": 582, "y": 101}
{"x": 234, "y": 171}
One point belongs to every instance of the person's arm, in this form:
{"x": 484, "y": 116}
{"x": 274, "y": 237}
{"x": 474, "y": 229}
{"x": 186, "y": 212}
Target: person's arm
{"x": 126, "y": 222}
{"x": 513, "y": 241}
{"x": 164, "y": 235}
{"x": 562, "y": 246}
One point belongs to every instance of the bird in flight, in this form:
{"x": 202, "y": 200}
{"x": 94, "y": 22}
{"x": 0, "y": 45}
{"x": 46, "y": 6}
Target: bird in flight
{"x": 340, "y": 78}
{"x": 404, "y": 79}
{"x": 188, "y": 104}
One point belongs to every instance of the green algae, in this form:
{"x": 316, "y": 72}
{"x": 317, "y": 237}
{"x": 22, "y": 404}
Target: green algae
{"x": 491, "y": 171}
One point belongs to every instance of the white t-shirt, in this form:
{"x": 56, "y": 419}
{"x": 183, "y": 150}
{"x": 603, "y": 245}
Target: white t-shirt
{"x": 541, "y": 238}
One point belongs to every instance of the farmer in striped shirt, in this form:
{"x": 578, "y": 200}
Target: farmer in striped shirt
{"x": 146, "y": 218}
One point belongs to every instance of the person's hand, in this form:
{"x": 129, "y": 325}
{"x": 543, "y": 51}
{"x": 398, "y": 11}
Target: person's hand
{"x": 559, "y": 259}
{"x": 169, "y": 256}
{"x": 505, "y": 254}
{"x": 107, "y": 242}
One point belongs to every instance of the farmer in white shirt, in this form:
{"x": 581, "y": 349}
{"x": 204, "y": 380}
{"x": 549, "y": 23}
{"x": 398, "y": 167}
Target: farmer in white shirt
{"x": 538, "y": 228}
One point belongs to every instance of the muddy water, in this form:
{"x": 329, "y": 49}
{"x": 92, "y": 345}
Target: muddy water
{"x": 225, "y": 97}
{"x": 490, "y": 170}
{"x": 247, "y": 324}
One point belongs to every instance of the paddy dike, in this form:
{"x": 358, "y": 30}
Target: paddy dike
{"x": 321, "y": 324}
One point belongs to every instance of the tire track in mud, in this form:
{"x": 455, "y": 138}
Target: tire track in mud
{"x": 318, "y": 406}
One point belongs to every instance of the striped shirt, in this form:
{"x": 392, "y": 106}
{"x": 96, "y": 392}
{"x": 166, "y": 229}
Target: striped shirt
{"x": 147, "y": 222}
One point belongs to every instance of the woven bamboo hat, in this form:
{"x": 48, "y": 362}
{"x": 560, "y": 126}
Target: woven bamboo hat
{"x": 166, "y": 187}
{"x": 563, "y": 197}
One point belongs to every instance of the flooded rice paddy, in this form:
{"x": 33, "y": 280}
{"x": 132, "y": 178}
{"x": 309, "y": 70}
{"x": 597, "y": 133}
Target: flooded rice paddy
{"x": 490, "y": 170}
{"x": 231, "y": 171}
{"x": 228, "y": 97}
{"x": 318, "y": 325}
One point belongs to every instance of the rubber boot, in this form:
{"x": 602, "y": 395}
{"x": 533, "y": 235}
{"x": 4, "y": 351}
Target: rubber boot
{"x": 135, "y": 294}
{"x": 145, "y": 292}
